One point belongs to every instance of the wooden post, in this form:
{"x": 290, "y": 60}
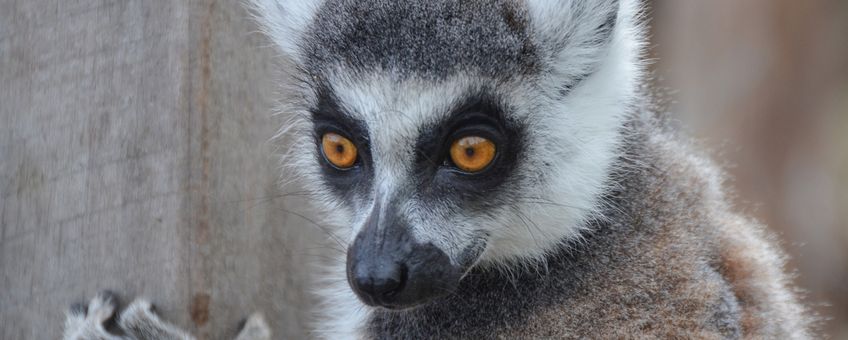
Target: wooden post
{"x": 134, "y": 156}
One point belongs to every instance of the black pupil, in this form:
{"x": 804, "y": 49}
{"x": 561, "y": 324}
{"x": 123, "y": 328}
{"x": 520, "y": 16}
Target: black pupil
{"x": 469, "y": 151}
{"x": 339, "y": 148}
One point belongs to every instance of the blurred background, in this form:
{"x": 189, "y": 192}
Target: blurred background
{"x": 763, "y": 84}
{"x": 134, "y": 152}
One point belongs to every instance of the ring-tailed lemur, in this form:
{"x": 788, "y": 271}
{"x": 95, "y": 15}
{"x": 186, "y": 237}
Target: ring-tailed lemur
{"x": 494, "y": 173}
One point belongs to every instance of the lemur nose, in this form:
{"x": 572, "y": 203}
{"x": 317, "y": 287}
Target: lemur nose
{"x": 386, "y": 267}
{"x": 380, "y": 282}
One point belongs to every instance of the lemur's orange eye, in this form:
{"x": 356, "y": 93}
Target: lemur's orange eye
{"x": 472, "y": 153}
{"x": 338, "y": 150}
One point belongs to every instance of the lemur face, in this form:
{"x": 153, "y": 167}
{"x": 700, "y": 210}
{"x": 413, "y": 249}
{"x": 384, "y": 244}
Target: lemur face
{"x": 440, "y": 135}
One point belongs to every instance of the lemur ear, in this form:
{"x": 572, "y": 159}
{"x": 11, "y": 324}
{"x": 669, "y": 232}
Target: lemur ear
{"x": 284, "y": 21}
{"x": 572, "y": 32}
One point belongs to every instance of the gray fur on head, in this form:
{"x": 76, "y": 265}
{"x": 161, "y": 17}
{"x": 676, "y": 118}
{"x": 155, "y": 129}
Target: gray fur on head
{"x": 566, "y": 69}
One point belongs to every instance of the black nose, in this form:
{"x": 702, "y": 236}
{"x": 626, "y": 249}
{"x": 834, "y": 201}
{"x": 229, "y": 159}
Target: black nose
{"x": 379, "y": 282}
{"x": 387, "y": 268}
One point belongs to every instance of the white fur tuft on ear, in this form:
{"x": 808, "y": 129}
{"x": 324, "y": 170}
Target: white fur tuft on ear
{"x": 283, "y": 21}
{"x": 558, "y": 21}
{"x": 572, "y": 32}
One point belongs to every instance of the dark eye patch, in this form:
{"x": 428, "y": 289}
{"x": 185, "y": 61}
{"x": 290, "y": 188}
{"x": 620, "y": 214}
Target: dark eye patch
{"x": 329, "y": 116}
{"x": 478, "y": 115}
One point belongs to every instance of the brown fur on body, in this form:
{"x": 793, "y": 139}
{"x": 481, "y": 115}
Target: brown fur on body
{"x": 669, "y": 260}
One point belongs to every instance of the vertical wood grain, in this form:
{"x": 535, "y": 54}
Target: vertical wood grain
{"x": 134, "y": 156}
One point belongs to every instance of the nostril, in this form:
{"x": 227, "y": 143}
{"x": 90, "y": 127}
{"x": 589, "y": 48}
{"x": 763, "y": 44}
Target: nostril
{"x": 401, "y": 281}
{"x": 386, "y": 287}
{"x": 382, "y": 284}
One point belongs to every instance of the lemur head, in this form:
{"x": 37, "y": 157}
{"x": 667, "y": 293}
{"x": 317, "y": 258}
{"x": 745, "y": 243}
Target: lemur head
{"x": 445, "y": 134}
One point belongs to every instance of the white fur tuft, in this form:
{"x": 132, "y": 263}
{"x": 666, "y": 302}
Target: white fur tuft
{"x": 284, "y": 21}
{"x": 579, "y": 136}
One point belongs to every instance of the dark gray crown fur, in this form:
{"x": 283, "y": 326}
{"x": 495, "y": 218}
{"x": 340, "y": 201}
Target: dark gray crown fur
{"x": 432, "y": 38}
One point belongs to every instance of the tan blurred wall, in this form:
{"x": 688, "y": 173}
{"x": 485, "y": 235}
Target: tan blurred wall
{"x": 764, "y": 84}
{"x": 134, "y": 156}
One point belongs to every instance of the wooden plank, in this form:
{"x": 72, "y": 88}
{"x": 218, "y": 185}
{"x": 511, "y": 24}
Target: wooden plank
{"x": 134, "y": 156}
